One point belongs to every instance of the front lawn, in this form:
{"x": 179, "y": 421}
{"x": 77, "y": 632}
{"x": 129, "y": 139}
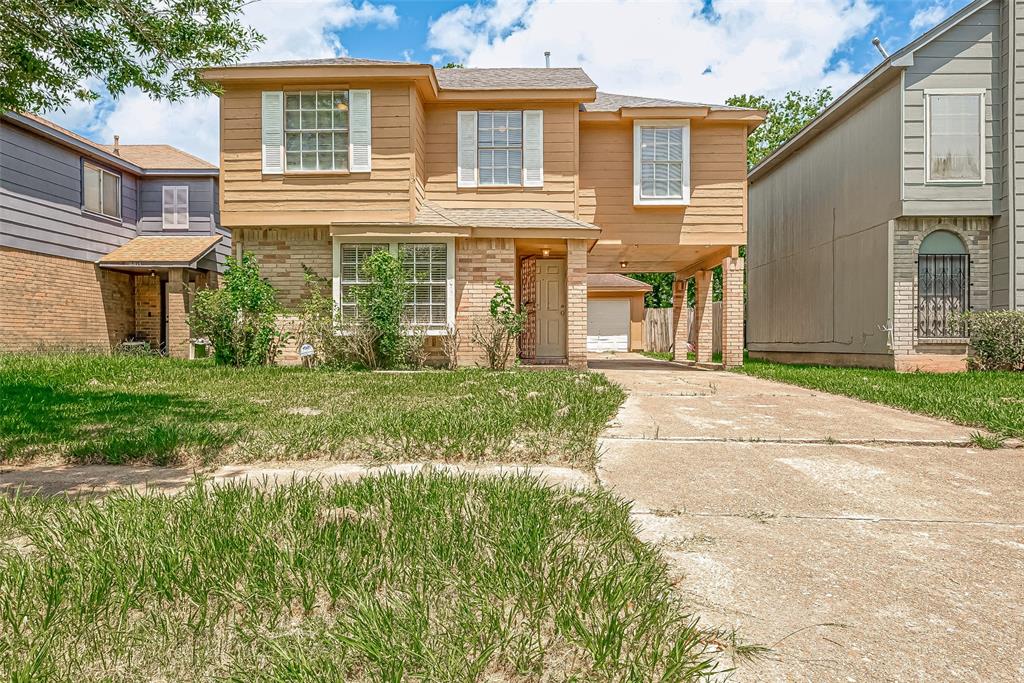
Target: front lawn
{"x": 425, "y": 577}
{"x": 129, "y": 408}
{"x": 992, "y": 400}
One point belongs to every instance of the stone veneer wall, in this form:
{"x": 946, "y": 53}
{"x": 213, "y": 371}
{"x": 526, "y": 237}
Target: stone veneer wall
{"x": 910, "y": 352}
{"x": 61, "y": 303}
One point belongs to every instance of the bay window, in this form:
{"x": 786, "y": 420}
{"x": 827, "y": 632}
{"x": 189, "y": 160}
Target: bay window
{"x": 954, "y": 136}
{"x": 661, "y": 162}
{"x": 429, "y": 265}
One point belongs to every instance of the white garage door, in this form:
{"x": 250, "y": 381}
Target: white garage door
{"x": 608, "y": 325}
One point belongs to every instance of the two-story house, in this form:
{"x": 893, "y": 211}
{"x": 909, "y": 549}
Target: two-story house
{"x": 527, "y": 175}
{"x": 898, "y": 207}
{"x": 100, "y": 244}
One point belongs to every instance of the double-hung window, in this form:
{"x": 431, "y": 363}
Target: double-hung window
{"x": 101, "y": 191}
{"x": 500, "y": 147}
{"x": 661, "y": 163}
{"x": 429, "y": 266}
{"x": 175, "y": 206}
{"x": 954, "y": 136}
{"x": 316, "y": 130}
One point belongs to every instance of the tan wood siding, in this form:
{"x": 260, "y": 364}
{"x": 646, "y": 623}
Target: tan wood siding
{"x": 251, "y": 198}
{"x": 419, "y": 146}
{"x": 558, "y": 192}
{"x": 717, "y": 178}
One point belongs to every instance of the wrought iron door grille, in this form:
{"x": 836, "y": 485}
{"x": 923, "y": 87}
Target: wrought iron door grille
{"x": 942, "y": 281}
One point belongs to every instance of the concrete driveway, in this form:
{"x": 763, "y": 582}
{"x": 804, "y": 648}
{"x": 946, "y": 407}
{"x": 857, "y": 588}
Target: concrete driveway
{"x": 859, "y": 542}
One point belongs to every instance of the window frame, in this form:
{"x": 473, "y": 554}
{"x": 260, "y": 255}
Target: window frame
{"x": 392, "y": 243}
{"x": 163, "y": 209}
{"x": 981, "y": 94}
{"x": 638, "y": 198}
{"x": 285, "y": 130}
{"x": 104, "y": 171}
{"x": 522, "y": 145}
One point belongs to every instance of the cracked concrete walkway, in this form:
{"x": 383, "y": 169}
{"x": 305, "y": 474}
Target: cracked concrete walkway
{"x": 849, "y": 537}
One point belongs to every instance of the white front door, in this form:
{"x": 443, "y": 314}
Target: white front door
{"x": 550, "y": 308}
{"x": 608, "y": 325}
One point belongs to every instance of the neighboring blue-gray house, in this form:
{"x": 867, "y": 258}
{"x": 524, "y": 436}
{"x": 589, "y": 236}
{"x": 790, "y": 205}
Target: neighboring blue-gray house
{"x": 100, "y": 244}
{"x": 899, "y": 206}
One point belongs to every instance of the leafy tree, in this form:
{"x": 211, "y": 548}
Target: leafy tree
{"x": 452, "y": 65}
{"x": 661, "y": 296}
{"x": 786, "y": 116}
{"x": 51, "y": 49}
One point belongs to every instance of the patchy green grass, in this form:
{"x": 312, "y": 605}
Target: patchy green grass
{"x": 993, "y": 400}
{"x": 391, "y": 578}
{"x": 131, "y": 408}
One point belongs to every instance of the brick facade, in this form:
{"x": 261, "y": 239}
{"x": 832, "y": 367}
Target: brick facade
{"x": 147, "y": 309}
{"x": 61, "y": 303}
{"x": 732, "y": 312}
{"x": 576, "y": 303}
{"x": 282, "y": 252}
{"x": 703, "y": 317}
{"x": 910, "y": 352}
{"x": 680, "y": 320}
{"x": 478, "y": 263}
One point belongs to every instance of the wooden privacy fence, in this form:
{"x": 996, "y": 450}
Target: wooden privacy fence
{"x": 658, "y": 328}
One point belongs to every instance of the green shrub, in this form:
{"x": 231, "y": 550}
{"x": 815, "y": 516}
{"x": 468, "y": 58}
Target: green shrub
{"x": 317, "y": 326}
{"x": 497, "y": 335}
{"x": 239, "y": 319}
{"x": 997, "y": 339}
{"x": 381, "y": 303}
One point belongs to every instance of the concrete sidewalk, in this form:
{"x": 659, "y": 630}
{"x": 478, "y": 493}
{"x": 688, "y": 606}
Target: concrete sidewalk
{"x": 846, "y": 536}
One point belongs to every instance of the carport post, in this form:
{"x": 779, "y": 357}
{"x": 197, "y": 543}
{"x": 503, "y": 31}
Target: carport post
{"x": 680, "y": 320}
{"x": 703, "y": 316}
{"x": 732, "y": 312}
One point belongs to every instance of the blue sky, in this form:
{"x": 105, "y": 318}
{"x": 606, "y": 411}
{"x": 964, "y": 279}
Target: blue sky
{"x": 693, "y": 50}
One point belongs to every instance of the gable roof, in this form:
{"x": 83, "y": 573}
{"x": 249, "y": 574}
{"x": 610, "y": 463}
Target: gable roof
{"x": 861, "y": 90}
{"x": 607, "y": 101}
{"x": 161, "y": 250}
{"x": 139, "y": 159}
{"x": 605, "y": 282}
{"x": 542, "y": 78}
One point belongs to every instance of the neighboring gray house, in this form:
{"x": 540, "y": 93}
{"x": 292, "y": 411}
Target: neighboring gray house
{"x": 898, "y": 206}
{"x": 101, "y": 243}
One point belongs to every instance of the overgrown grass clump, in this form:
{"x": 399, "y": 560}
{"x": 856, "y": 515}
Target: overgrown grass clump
{"x": 425, "y": 577}
{"x": 993, "y": 400}
{"x": 130, "y": 408}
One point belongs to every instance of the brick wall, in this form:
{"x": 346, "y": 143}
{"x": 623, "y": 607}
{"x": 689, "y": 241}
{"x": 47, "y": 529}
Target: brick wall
{"x": 909, "y": 351}
{"x": 54, "y": 302}
{"x": 478, "y": 263}
{"x": 703, "y": 317}
{"x": 576, "y": 303}
{"x": 147, "y": 309}
{"x": 732, "y": 312}
{"x": 282, "y": 252}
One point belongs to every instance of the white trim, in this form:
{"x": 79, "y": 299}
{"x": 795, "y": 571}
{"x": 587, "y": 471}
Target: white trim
{"x": 980, "y": 93}
{"x": 639, "y": 200}
{"x": 393, "y": 243}
{"x": 163, "y": 207}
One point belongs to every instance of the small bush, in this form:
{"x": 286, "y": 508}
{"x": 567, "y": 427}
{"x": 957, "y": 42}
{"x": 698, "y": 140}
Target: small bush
{"x": 497, "y": 335}
{"x": 997, "y": 339}
{"x": 239, "y": 319}
{"x": 317, "y": 326}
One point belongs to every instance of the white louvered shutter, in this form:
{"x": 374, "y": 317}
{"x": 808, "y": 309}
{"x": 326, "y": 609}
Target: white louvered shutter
{"x": 273, "y": 132}
{"x": 359, "y": 131}
{"x": 467, "y": 149}
{"x": 533, "y": 148}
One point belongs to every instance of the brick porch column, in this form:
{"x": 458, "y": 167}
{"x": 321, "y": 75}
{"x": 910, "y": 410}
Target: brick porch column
{"x": 703, "y": 315}
{"x": 732, "y": 312}
{"x": 680, "y": 320}
{"x": 178, "y": 333}
{"x": 576, "y": 303}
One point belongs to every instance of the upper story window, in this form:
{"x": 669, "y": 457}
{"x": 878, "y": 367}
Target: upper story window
{"x": 175, "y": 206}
{"x": 316, "y": 130}
{"x": 101, "y": 191}
{"x": 500, "y": 147}
{"x": 955, "y": 136}
{"x": 661, "y": 163}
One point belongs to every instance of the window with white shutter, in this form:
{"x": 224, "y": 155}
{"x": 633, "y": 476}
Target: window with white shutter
{"x": 533, "y": 148}
{"x": 175, "y": 206}
{"x": 272, "y": 124}
{"x": 467, "y": 149}
{"x": 359, "y": 134}
{"x": 430, "y": 270}
{"x": 501, "y": 148}
{"x": 661, "y": 163}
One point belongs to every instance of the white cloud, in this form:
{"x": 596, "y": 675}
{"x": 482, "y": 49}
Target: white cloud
{"x": 926, "y": 17}
{"x": 295, "y": 29}
{"x": 677, "y": 50}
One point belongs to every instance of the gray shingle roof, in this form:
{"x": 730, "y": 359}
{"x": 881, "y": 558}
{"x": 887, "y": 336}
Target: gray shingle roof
{"x": 432, "y": 214}
{"x": 607, "y": 101}
{"x": 514, "y": 79}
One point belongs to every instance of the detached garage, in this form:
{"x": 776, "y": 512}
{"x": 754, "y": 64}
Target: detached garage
{"x": 615, "y": 312}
